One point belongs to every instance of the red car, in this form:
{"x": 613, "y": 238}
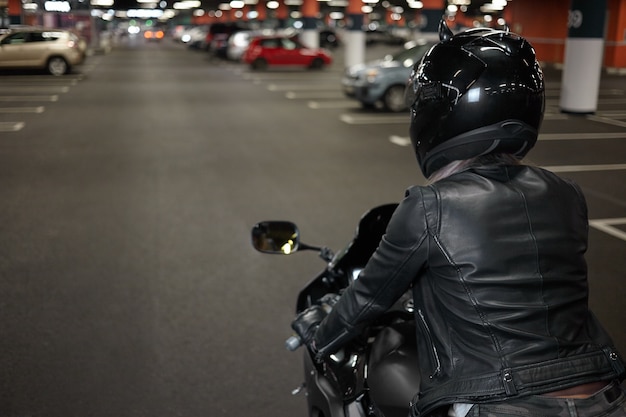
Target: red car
{"x": 280, "y": 50}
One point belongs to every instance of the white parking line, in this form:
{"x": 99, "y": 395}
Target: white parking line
{"x": 38, "y": 89}
{"x": 301, "y": 87}
{"x": 11, "y": 126}
{"x": 585, "y": 168}
{"x": 399, "y": 140}
{"x": 581, "y": 136}
{"x": 292, "y": 95}
{"x": 43, "y": 83}
{"x": 606, "y": 120}
{"x": 612, "y": 113}
{"x": 403, "y": 118}
{"x": 405, "y": 141}
{"x": 288, "y": 77}
{"x": 335, "y": 104}
{"x": 374, "y": 119}
{"x": 556, "y": 92}
{"x": 606, "y": 226}
{"x": 53, "y": 97}
{"x": 38, "y": 109}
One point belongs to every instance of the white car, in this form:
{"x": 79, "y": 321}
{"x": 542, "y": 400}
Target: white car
{"x": 381, "y": 83}
{"x": 239, "y": 42}
{"x": 54, "y": 50}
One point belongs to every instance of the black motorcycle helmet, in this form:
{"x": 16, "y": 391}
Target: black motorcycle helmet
{"x": 477, "y": 92}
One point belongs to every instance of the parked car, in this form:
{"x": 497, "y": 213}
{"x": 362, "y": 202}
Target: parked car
{"x": 329, "y": 39}
{"x": 153, "y": 34}
{"x": 240, "y": 41}
{"x": 381, "y": 83}
{"x": 195, "y": 37}
{"x": 284, "y": 51}
{"x": 218, "y": 36}
{"x": 54, "y": 50}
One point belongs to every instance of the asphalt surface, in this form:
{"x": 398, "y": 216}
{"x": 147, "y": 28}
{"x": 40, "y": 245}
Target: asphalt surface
{"x": 128, "y": 286}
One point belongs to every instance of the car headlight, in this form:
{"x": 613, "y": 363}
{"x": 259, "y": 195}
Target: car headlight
{"x": 371, "y": 75}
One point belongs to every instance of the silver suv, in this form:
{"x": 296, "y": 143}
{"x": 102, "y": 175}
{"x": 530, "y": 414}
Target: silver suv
{"x": 381, "y": 83}
{"x": 54, "y": 50}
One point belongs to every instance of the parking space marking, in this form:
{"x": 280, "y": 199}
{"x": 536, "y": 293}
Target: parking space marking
{"x": 612, "y": 114}
{"x": 399, "y": 140}
{"x": 585, "y": 168}
{"x": 296, "y": 77}
{"x": 374, "y": 119}
{"x": 403, "y": 118}
{"x": 556, "y": 92}
{"x": 607, "y": 226}
{"x": 300, "y": 87}
{"x": 11, "y": 126}
{"x": 38, "y": 89}
{"x": 334, "y": 104}
{"x": 53, "y": 97}
{"x": 29, "y": 83}
{"x": 38, "y": 109}
{"x": 405, "y": 141}
{"x": 309, "y": 94}
{"x": 581, "y": 136}
{"x": 606, "y": 120}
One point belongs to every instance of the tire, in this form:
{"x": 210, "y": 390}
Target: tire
{"x": 316, "y": 64}
{"x": 259, "y": 64}
{"x": 57, "y": 66}
{"x": 394, "y": 99}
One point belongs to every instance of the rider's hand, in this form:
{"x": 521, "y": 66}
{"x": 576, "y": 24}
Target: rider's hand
{"x": 307, "y": 322}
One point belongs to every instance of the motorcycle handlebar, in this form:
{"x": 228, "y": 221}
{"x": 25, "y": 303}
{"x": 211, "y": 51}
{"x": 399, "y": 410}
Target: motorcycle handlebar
{"x": 327, "y": 302}
{"x": 293, "y": 343}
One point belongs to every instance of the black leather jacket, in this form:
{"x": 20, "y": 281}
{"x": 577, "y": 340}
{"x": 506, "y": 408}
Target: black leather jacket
{"x": 495, "y": 258}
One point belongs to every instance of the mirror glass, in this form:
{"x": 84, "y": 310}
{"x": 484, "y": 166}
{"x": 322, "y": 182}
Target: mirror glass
{"x": 275, "y": 237}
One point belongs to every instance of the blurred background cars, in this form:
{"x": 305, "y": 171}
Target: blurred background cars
{"x": 329, "y": 39}
{"x": 381, "y": 83}
{"x": 284, "y": 51}
{"x": 153, "y": 34}
{"x": 195, "y": 37}
{"x": 54, "y": 50}
{"x": 239, "y": 42}
{"x": 218, "y": 36}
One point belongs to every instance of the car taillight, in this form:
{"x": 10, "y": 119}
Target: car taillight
{"x": 71, "y": 44}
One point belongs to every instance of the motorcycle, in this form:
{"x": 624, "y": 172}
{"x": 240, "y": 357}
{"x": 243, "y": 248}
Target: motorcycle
{"x": 374, "y": 375}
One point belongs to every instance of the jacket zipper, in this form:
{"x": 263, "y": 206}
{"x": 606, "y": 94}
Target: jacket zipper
{"x": 433, "y": 349}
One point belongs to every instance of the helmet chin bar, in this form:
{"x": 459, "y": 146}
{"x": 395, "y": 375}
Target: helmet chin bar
{"x": 509, "y": 136}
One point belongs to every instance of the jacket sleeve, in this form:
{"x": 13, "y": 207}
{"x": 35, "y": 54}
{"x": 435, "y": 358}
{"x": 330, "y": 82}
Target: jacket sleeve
{"x": 389, "y": 273}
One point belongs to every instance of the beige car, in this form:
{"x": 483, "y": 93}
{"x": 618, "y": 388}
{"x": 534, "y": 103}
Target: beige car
{"x": 54, "y": 50}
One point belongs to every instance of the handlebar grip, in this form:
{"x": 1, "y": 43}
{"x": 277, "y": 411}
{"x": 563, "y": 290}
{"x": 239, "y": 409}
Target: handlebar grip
{"x": 293, "y": 343}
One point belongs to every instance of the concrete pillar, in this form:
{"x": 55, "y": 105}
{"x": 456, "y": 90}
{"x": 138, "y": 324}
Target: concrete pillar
{"x": 310, "y": 34}
{"x": 354, "y": 35}
{"x": 584, "y": 47}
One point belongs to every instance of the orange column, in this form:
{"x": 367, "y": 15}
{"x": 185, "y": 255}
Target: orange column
{"x": 615, "y": 51}
{"x": 15, "y": 8}
{"x": 310, "y": 10}
{"x": 282, "y": 14}
{"x": 543, "y": 23}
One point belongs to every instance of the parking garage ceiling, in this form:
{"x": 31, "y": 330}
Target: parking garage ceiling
{"x": 473, "y": 6}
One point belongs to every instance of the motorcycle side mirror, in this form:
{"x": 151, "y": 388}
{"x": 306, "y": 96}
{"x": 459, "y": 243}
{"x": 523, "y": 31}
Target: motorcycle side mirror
{"x": 278, "y": 237}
